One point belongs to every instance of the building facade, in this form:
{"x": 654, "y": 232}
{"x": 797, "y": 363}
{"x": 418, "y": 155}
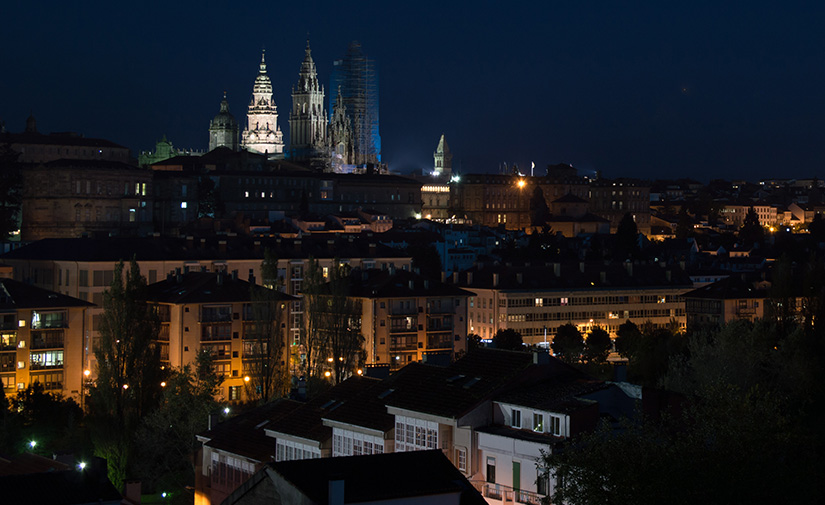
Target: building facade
{"x": 262, "y": 134}
{"x": 308, "y": 118}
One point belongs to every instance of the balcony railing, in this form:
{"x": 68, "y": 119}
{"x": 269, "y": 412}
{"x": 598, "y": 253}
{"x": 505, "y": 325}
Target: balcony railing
{"x": 52, "y": 339}
{"x": 506, "y": 494}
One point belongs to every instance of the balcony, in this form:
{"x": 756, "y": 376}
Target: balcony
{"x": 52, "y": 339}
{"x": 496, "y": 493}
{"x": 403, "y": 344}
{"x": 212, "y": 332}
{"x": 440, "y": 341}
{"x": 439, "y": 324}
{"x": 402, "y": 311}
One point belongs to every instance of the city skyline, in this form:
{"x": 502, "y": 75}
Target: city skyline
{"x": 654, "y": 91}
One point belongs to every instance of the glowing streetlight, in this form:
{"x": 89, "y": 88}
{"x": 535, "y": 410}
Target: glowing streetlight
{"x": 226, "y": 410}
{"x": 163, "y": 384}
{"x": 521, "y": 183}
{"x": 32, "y": 444}
{"x": 126, "y": 386}
{"x": 330, "y": 360}
{"x": 87, "y": 373}
{"x": 81, "y": 465}
{"x": 360, "y": 372}
{"x": 246, "y": 379}
{"x": 327, "y": 373}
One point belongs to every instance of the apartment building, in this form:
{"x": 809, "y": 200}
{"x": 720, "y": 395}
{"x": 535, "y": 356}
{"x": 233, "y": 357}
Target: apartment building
{"x": 43, "y": 338}
{"x": 215, "y": 312}
{"x": 83, "y": 268}
{"x": 536, "y": 299}
{"x": 724, "y": 301}
{"x": 406, "y": 317}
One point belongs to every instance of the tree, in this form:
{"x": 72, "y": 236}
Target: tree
{"x": 747, "y": 430}
{"x": 425, "y": 258}
{"x": 627, "y": 235}
{"x": 568, "y": 343}
{"x": 751, "y": 231}
{"x": 539, "y": 212}
{"x": 129, "y": 374}
{"x": 333, "y": 323}
{"x": 598, "y": 345}
{"x": 474, "y": 342}
{"x": 508, "y": 339}
{"x": 311, "y": 337}
{"x": 628, "y": 339}
{"x": 167, "y": 437}
{"x": 209, "y": 202}
{"x": 11, "y": 187}
{"x": 264, "y": 354}
{"x": 684, "y": 225}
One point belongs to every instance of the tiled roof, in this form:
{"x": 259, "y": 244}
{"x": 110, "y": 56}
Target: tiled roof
{"x": 557, "y": 394}
{"x": 455, "y": 390}
{"x": 17, "y": 295}
{"x": 56, "y": 140}
{"x": 205, "y": 287}
{"x": 379, "y": 477}
{"x": 376, "y": 283}
{"x": 730, "y": 288}
{"x": 596, "y": 275}
{"x": 306, "y": 421}
{"x": 244, "y": 434}
{"x": 180, "y": 249}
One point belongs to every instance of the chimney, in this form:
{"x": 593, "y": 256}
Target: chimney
{"x": 372, "y": 249}
{"x": 336, "y": 491}
{"x": 190, "y": 242}
{"x": 668, "y": 275}
{"x": 331, "y": 246}
{"x": 581, "y": 266}
{"x": 297, "y": 245}
{"x": 256, "y": 246}
{"x": 603, "y": 277}
{"x": 178, "y": 277}
{"x": 222, "y": 246}
{"x": 426, "y": 284}
{"x": 251, "y": 278}
{"x": 557, "y": 269}
{"x": 234, "y": 275}
{"x": 203, "y": 243}
{"x": 455, "y": 277}
{"x": 682, "y": 264}
{"x": 132, "y": 491}
{"x": 495, "y": 279}
{"x": 469, "y": 278}
{"x": 220, "y": 277}
{"x": 629, "y": 267}
{"x": 443, "y": 276}
{"x": 412, "y": 284}
{"x": 519, "y": 278}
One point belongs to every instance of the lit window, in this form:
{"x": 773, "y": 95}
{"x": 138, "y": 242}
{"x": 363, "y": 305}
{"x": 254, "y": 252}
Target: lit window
{"x": 182, "y": 205}
{"x": 538, "y": 422}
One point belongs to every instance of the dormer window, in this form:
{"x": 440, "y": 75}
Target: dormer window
{"x": 515, "y": 420}
{"x": 538, "y": 423}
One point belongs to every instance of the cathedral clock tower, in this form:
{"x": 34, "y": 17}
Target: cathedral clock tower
{"x": 262, "y": 134}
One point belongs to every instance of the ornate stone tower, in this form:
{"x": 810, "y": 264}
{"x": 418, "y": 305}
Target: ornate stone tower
{"x": 223, "y": 130}
{"x": 307, "y": 121}
{"x": 262, "y": 134}
{"x": 443, "y": 159}
{"x": 341, "y": 148}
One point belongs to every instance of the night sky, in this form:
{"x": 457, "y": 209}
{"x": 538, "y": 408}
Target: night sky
{"x": 659, "y": 89}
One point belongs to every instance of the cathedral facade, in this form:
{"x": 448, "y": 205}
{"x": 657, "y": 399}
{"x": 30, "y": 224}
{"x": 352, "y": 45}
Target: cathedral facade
{"x": 262, "y": 134}
{"x": 308, "y": 119}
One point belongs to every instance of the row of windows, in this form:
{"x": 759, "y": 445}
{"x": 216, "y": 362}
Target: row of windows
{"x": 411, "y": 438}
{"x": 587, "y": 300}
{"x": 552, "y": 427}
{"x": 352, "y": 446}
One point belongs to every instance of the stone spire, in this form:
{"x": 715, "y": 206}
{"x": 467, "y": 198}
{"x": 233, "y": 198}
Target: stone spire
{"x": 342, "y": 149}
{"x": 442, "y": 159}
{"x": 307, "y": 120}
{"x": 262, "y": 134}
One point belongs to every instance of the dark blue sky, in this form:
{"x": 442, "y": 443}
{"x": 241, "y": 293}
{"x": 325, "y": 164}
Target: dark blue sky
{"x": 642, "y": 89}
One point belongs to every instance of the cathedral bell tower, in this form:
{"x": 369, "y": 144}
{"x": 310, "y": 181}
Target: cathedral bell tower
{"x": 307, "y": 120}
{"x": 262, "y": 134}
{"x": 442, "y": 159}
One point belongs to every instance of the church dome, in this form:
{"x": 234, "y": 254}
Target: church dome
{"x": 224, "y": 118}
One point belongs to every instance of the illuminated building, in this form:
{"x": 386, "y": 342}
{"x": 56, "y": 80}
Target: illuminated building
{"x": 223, "y": 130}
{"x": 308, "y": 119}
{"x": 442, "y": 159}
{"x": 41, "y": 340}
{"x": 262, "y": 134}
{"x": 535, "y": 300}
{"x": 356, "y": 78}
{"x": 342, "y": 149}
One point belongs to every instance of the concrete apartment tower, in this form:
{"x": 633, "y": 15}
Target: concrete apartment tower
{"x": 262, "y": 134}
{"x": 308, "y": 119}
{"x": 223, "y": 130}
